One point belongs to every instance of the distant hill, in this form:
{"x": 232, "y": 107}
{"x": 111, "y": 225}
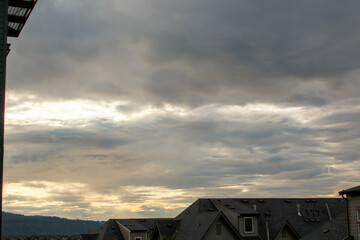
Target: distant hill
{"x": 20, "y": 225}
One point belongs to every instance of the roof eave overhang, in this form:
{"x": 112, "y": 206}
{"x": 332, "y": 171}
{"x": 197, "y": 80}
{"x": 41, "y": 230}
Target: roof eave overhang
{"x": 18, "y": 13}
{"x": 249, "y": 214}
{"x": 349, "y": 193}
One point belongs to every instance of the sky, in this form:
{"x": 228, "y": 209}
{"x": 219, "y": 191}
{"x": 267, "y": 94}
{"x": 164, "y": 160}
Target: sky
{"x": 133, "y": 109}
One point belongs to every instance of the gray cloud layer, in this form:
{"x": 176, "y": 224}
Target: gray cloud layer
{"x": 192, "y": 53}
{"x": 206, "y": 57}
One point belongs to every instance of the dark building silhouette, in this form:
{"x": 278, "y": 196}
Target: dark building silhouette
{"x": 246, "y": 218}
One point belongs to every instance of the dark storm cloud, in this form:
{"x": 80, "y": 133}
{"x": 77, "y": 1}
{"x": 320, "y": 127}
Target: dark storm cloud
{"x": 188, "y": 52}
{"x": 301, "y": 39}
{"x": 239, "y": 167}
{"x": 272, "y": 135}
{"x": 342, "y": 130}
{"x": 70, "y": 136}
{"x": 308, "y": 100}
{"x": 62, "y": 35}
{"x": 341, "y": 117}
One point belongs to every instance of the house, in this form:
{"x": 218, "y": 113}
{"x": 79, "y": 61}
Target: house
{"x": 123, "y": 229}
{"x": 247, "y": 219}
{"x": 201, "y": 220}
{"x": 352, "y": 197}
{"x": 205, "y": 225}
{"x": 267, "y": 218}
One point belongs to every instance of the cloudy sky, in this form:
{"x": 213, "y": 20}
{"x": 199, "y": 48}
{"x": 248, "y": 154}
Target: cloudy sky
{"x": 137, "y": 108}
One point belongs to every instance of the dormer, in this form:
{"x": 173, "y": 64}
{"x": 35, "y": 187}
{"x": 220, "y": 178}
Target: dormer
{"x": 242, "y": 216}
{"x": 131, "y": 229}
{"x": 287, "y": 232}
{"x": 248, "y": 225}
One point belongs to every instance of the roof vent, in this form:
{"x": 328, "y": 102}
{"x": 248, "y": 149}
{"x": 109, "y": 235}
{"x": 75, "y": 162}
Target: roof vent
{"x": 313, "y": 200}
{"x": 298, "y": 210}
{"x": 169, "y": 225}
{"x": 307, "y": 200}
{"x": 142, "y": 220}
{"x": 306, "y": 220}
{"x": 261, "y": 201}
{"x": 245, "y": 201}
{"x": 326, "y": 230}
{"x": 318, "y": 220}
{"x": 254, "y": 207}
{"x": 211, "y": 209}
{"x": 287, "y": 200}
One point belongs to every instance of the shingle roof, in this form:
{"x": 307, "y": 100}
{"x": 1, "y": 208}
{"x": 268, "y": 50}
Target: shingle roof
{"x": 168, "y": 228}
{"x": 196, "y": 220}
{"x": 276, "y": 211}
{"x": 303, "y": 215}
{"x": 237, "y": 206}
{"x": 132, "y": 224}
{"x": 139, "y": 224}
{"x": 223, "y": 219}
{"x": 287, "y": 226}
{"x": 335, "y": 229}
{"x": 251, "y": 238}
{"x": 110, "y": 230}
{"x": 350, "y": 190}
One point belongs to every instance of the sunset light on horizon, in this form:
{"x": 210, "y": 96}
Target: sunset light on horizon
{"x": 135, "y": 109}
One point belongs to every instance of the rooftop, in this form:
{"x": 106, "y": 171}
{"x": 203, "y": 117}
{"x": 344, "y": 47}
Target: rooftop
{"x": 350, "y": 190}
{"x": 18, "y": 13}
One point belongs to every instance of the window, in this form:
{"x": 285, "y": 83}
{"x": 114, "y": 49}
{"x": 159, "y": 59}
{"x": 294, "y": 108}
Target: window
{"x": 218, "y": 229}
{"x": 248, "y": 225}
{"x": 358, "y": 215}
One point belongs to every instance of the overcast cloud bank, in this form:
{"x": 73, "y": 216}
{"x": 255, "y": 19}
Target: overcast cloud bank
{"x": 135, "y": 109}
